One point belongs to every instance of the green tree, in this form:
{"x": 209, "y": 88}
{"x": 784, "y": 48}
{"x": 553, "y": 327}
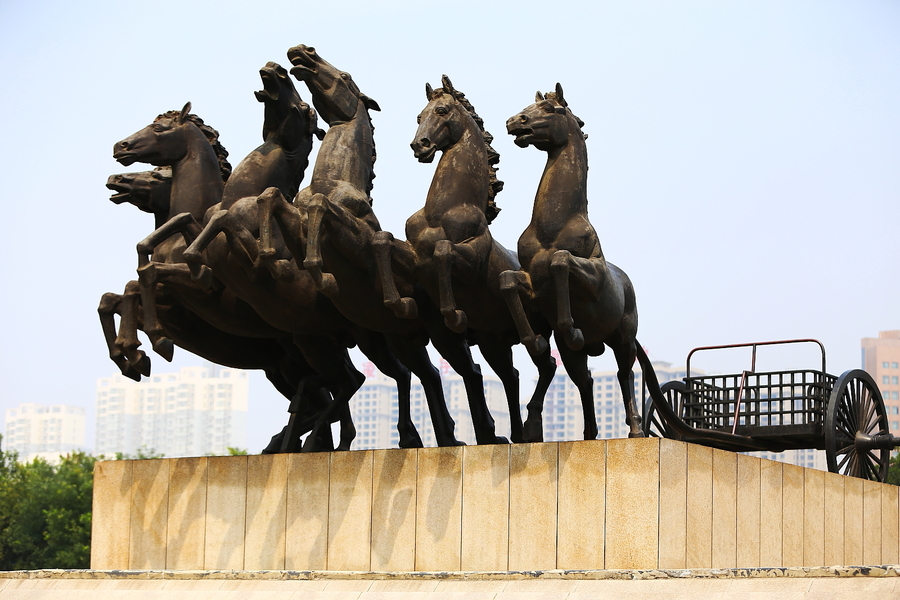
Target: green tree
{"x": 237, "y": 451}
{"x": 893, "y": 474}
{"x": 45, "y": 512}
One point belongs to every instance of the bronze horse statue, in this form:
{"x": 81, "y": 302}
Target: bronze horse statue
{"x": 176, "y": 139}
{"x": 149, "y": 191}
{"x": 331, "y": 227}
{"x": 289, "y": 300}
{"x": 456, "y": 259}
{"x": 589, "y": 302}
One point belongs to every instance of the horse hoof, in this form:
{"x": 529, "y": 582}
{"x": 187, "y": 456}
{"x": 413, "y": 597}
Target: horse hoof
{"x": 411, "y": 439}
{"x": 456, "y": 321}
{"x": 500, "y": 440}
{"x": 131, "y": 373}
{"x": 534, "y": 431}
{"x": 284, "y": 270}
{"x": 636, "y": 434}
{"x": 329, "y": 285}
{"x": 406, "y": 308}
{"x": 165, "y": 348}
{"x": 537, "y": 346}
{"x": 204, "y": 276}
{"x": 141, "y": 365}
{"x": 574, "y": 339}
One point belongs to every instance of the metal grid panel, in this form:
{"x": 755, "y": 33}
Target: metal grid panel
{"x": 766, "y": 399}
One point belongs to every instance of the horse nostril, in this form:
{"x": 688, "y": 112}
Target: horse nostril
{"x": 425, "y": 142}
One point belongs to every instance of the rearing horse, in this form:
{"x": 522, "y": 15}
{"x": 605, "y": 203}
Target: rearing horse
{"x": 588, "y": 301}
{"x": 456, "y": 258}
{"x": 331, "y": 227}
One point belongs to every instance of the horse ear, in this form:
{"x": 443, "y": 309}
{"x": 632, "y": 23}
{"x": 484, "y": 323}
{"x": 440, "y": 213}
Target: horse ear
{"x": 369, "y": 103}
{"x": 559, "y": 95}
{"x": 538, "y": 96}
{"x": 428, "y": 91}
{"x": 184, "y": 113}
{"x": 448, "y": 86}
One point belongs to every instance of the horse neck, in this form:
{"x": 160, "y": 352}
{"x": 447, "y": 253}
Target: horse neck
{"x": 196, "y": 178}
{"x": 462, "y": 175}
{"x": 347, "y": 152}
{"x": 562, "y": 192}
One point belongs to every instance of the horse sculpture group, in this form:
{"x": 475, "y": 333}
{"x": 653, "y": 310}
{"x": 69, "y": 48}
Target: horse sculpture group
{"x": 247, "y": 269}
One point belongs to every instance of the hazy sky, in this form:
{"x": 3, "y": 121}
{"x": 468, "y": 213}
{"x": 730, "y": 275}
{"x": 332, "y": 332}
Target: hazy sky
{"x": 744, "y": 155}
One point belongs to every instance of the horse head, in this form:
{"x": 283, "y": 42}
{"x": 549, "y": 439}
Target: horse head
{"x": 147, "y": 190}
{"x": 287, "y": 117}
{"x": 546, "y": 124}
{"x": 441, "y": 123}
{"x": 335, "y": 94}
{"x": 184, "y": 142}
{"x": 162, "y": 143}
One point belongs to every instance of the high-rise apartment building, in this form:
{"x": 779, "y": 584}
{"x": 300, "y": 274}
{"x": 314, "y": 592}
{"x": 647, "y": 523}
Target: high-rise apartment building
{"x": 197, "y": 411}
{"x": 38, "y": 430}
{"x": 881, "y": 360}
{"x": 375, "y": 410}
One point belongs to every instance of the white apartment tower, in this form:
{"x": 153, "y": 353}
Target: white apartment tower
{"x": 375, "y": 409}
{"x": 38, "y": 430}
{"x": 197, "y": 411}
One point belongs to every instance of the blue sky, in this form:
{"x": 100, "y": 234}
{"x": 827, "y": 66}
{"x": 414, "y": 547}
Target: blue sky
{"x": 744, "y": 155}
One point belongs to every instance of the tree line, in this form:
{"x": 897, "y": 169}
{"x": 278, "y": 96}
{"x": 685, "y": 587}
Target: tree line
{"x": 45, "y": 509}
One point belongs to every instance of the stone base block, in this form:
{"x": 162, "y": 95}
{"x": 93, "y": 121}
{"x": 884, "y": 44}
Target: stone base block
{"x": 603, "y": 504}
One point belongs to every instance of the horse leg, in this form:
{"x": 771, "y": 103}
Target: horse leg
{"x": 499, "y": 356}
{"x": 110, "y": 305}
{"x": 183, "y": 223}
{"x": 511, "y": 282}
{"x": 454, "y": 319}
{"x": 404, "y": 308}
{"x": 576, "y": 366}
{"x": 241, "y": 244}
{"x": 127, "y": 339}
{"x": 625, "y": 356}
{"x": 455, "y": 351}
{"x": 377, "y": 351}
{"x": 546, "y": 366}
{"x": 559, "y": 268}
{"x": 415, "y": 356}
{"x": 325, "y": 282}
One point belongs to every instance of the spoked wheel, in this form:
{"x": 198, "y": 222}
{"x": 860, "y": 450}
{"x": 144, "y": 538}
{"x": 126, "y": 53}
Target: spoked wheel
{"x": 856, "y": 418}
{"x": 652, "y": 423}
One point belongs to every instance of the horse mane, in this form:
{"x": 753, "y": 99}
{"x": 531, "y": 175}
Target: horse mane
{"x": 211, "y": 134}
{"x": 564, "y": 104}
{"x": 492, "y": 210}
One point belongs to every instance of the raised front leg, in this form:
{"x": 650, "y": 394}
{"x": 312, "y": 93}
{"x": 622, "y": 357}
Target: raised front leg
{"x": 559, "y": 268}
{"x": 511, "y": 282}
{"x": 148, "y": 277}
{"x": 274, "y": 207}
{"x": 405, "y": 308}
{"x": 183, "y": 224}
{"x": 443, "y": 259}
{"x": 325, "y": 282}
{"x": 110, "y": 305}
{"x": 127, "y": 339}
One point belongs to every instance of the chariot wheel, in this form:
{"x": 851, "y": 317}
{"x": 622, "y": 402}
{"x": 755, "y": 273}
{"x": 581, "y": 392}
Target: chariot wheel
{"x": 855, "y": 416}
{"x": 652, "y": 423}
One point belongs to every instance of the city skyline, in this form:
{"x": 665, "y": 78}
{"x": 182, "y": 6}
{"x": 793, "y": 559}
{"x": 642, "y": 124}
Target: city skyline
{"x": 743, "y": 155}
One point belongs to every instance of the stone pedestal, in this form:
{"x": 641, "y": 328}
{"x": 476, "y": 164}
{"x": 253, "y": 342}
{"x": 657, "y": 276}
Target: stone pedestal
{"x": 604, "y": 504}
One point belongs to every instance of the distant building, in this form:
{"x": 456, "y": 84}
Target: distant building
{"x": 881, "y": 360}
{"x": 197, "y": 411}
{"x": 375, "y": 410}
{"x": 38, "y": 430}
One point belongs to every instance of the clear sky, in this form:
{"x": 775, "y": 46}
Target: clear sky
{"x": 744, "y": 155}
